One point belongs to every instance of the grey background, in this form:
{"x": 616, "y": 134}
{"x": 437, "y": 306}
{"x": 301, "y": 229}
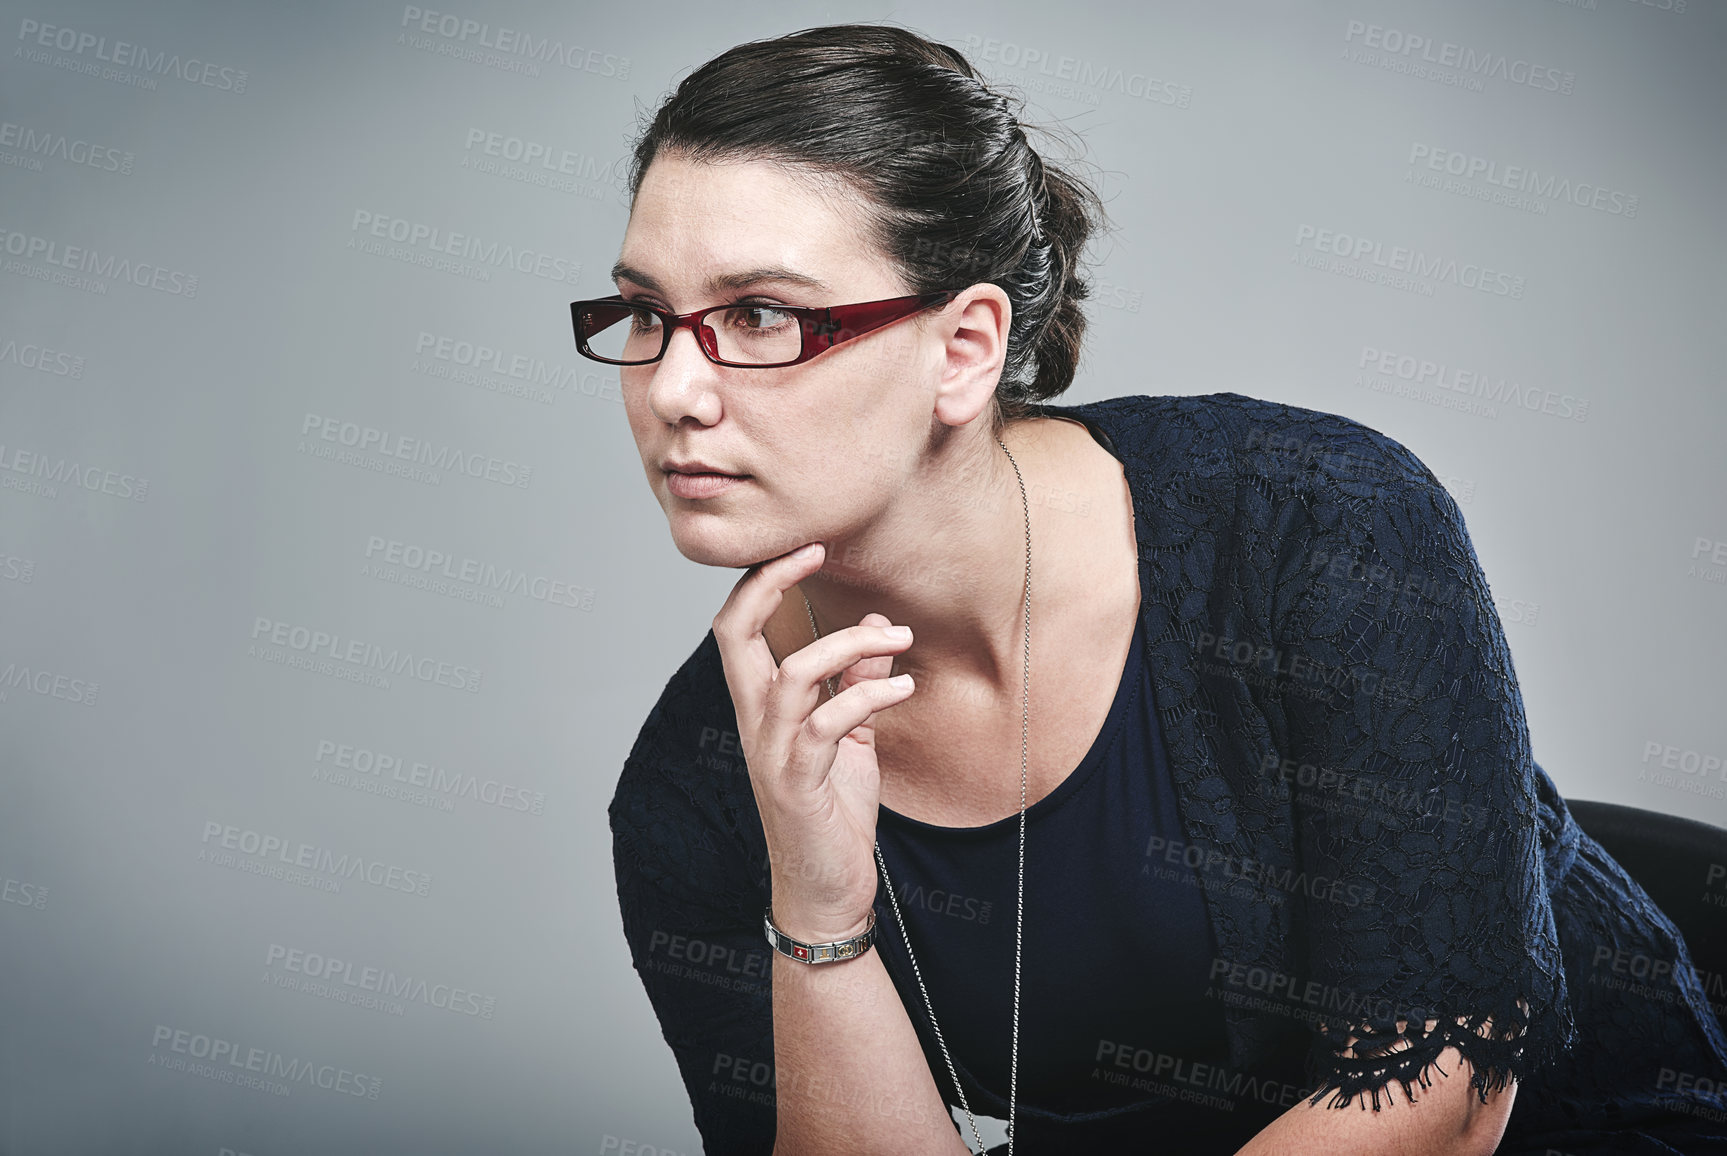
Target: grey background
{"x": 1264, "y": 124}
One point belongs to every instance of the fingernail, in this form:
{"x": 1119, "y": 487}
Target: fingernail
{"x": 806, "y": 551}
{"x": 900, "y": 681}
{"x": 900, "y": 632}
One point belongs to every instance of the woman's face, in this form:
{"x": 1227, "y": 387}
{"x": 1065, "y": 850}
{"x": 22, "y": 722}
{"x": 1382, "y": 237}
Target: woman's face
{"x": 823, "y": 444}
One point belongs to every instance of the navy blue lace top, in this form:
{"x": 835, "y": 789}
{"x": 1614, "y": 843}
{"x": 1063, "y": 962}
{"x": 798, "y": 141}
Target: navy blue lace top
{"x": 1387, "y": 870}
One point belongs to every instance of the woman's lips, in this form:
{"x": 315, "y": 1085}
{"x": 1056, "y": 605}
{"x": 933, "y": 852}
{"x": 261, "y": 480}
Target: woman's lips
{"x": 701, "y": 485}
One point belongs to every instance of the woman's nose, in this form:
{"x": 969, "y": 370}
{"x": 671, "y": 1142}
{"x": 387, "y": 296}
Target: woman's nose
{"x": 682, "y": 380}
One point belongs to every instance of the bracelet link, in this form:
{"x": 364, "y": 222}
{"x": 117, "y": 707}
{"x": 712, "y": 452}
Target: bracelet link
{"x": 814, "y": 953}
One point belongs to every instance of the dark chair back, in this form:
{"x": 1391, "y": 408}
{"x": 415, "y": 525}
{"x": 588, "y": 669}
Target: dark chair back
{"x": 1681, "y": 863}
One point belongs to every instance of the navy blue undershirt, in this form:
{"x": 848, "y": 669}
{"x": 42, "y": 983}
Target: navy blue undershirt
{"x": 1117, "y": 945}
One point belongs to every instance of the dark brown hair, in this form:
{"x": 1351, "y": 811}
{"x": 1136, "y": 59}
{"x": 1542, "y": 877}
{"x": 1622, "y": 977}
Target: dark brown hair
{"x": 956, "y": 193}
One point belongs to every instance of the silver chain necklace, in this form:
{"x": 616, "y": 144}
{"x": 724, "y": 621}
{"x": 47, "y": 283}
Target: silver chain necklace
{"x": 1019, "y": 933}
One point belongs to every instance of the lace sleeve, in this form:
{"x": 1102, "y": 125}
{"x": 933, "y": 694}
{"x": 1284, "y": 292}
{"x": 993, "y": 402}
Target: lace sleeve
{"x": 695, "y": 939}
{"x": 1408, "y": 771}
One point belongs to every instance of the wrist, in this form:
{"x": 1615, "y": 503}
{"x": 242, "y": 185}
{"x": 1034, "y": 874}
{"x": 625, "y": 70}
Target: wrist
{"x": 819, "y": 919}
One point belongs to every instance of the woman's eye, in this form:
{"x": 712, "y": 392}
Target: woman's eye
{"x": 758, "y": 317}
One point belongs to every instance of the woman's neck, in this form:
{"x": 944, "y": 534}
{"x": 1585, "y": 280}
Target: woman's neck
{"x": 951, "y": 564}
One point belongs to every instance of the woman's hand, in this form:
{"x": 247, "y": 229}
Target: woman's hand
{"x": 812, "y": 759}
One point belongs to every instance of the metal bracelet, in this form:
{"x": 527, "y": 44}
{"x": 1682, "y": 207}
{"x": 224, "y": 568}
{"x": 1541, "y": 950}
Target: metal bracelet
{"x": 817, "y": 952}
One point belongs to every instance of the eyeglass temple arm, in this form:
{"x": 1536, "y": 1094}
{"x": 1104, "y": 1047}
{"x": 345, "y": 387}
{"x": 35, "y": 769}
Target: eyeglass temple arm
{"x": 829, "y": 327}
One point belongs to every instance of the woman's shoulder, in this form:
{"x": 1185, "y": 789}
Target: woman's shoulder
{"x": 1229, "y": 435}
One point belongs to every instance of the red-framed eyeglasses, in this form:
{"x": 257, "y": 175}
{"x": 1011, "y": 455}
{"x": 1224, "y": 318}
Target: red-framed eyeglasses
{"x": 620, "y": 332}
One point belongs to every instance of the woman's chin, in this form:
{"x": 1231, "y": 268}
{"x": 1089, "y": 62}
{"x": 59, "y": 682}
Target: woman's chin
{"x": 719, "y": 550}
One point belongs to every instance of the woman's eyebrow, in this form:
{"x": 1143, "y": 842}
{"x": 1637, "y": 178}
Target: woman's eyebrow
{"x": 727, "y": 281}
{"x": 745, "y": 279}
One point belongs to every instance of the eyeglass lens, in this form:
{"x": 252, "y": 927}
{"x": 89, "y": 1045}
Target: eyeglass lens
{"x": 750, "y": 334}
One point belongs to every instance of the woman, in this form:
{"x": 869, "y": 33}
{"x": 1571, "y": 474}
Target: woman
{"x": 1257, "y": 837}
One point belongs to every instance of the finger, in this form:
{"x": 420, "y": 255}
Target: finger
{"x": 847, "y": 713}
{"x": 869, "y": 666}
{"x": 832, "y": 655}
{"x": 798, "y": 690}
{"x": 749, "y": 665}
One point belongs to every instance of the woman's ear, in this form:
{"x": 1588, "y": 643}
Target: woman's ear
{"x": 973, "y": 329}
